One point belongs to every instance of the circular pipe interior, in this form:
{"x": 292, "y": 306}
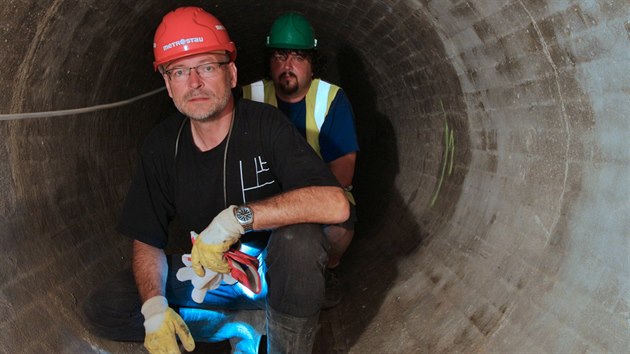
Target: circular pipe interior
{"x": 492, "y": 182}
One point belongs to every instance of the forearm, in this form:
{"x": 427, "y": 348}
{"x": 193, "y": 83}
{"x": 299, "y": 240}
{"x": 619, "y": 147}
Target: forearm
{"x": 149, "y": 270}
{"x": 343, "y": 169}
{"x": 320, "y": 205}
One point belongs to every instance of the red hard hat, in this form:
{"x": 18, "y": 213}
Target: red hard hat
{"x": 189, "y": 30}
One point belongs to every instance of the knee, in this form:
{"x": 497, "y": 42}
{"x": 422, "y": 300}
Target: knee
{"x": 112, "y": 310}
{"x": 299, "y": 244}
{"x": 296, "y": 259}
{"x": 95, "y": 314}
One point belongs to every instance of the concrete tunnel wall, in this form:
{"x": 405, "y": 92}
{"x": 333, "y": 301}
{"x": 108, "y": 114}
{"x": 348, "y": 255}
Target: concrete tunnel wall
{"x": 492, "y": 182}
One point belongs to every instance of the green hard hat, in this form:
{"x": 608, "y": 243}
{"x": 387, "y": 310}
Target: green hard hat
{"x": 291, "y": 31}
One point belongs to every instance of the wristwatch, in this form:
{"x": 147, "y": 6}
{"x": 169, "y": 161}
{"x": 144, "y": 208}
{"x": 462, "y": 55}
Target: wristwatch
{"x": 245, "y": 216}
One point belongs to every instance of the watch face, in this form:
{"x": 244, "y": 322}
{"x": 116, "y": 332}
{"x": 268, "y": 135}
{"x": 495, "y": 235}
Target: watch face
{"x": 244, "y": 215}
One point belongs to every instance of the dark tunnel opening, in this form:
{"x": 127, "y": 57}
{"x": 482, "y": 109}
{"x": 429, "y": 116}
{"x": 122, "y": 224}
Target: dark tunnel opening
{"x": 491, "y": 183}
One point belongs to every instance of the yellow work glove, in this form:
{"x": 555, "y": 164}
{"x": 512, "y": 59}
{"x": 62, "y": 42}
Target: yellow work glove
{"x": 214, "y": 241}
{"x": 161, "y": 324}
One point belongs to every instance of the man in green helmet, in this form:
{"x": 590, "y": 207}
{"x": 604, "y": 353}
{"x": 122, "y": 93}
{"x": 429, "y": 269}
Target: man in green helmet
{"x": 322, "y": 113}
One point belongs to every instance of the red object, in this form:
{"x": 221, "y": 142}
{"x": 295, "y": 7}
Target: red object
{"x": 187, "y": 31}
{"x": 244, "y": 268}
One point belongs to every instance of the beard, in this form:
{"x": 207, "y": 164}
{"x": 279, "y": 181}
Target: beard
{"x": 288, "y": 83}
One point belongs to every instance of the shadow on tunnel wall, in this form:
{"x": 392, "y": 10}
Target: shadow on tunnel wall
{"x": 369, "y": 268}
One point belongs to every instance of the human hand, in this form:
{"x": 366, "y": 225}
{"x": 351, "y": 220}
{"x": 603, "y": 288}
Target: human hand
{"x": 214, "y": 241}
{"x": 161, "y": 325}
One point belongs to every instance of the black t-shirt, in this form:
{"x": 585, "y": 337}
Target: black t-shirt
{"x": 266, "y": 156}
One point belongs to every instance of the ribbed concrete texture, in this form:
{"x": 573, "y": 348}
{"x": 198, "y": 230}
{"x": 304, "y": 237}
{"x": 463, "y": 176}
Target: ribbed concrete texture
{"x": 493, "y": 181}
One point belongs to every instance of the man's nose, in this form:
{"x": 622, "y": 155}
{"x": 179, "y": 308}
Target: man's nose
{"x": 194, "y": 80}
{"x": 289, "y": 62}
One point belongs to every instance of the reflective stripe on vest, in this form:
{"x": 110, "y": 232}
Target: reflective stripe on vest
{"x": 261, "y": 91}
{"x": 257, "y": 91}
{"x": 321, "y": 104}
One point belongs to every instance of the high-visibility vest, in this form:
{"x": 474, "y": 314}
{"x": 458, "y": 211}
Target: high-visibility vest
{"x": 318, "y": 100}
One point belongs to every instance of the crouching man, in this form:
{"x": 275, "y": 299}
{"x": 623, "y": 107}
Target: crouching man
{"x": 234, "y": 172}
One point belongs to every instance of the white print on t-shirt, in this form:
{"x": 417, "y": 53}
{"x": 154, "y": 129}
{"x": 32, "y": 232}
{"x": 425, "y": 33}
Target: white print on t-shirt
{"x": 259, "y": 165}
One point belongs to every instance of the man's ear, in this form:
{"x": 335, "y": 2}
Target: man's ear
{"x": 167, "y": 83}
{"x": 233, "y": 74}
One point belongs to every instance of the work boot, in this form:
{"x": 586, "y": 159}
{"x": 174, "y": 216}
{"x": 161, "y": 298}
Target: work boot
{"x": 333, "y": 293}
{"x": 288, "y": 334}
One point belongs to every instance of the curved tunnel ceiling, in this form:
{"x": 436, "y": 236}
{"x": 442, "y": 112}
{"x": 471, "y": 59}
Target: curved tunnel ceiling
{"x": 492, "y": 182}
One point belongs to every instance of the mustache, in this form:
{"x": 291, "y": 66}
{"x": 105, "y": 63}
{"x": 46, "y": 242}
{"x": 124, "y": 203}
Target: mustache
{"x": 196, "y": 93}
{"x": 287, "y": 74}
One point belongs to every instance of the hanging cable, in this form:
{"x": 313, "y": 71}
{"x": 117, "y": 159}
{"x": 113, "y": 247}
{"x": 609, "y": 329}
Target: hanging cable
{"x": 67, "y": 112}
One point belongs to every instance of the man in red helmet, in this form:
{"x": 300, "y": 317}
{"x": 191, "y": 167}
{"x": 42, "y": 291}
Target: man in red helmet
{"x": 233, "y": 172}
{"x": 322, "y": 113}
